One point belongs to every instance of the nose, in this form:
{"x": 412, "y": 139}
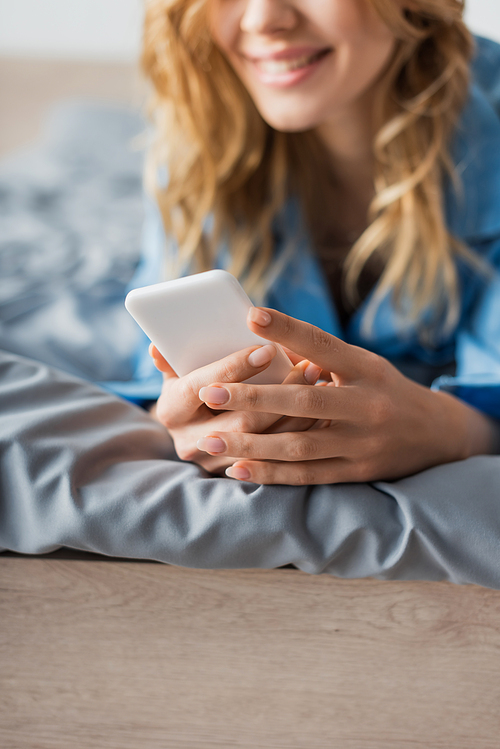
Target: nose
{"x": 268, "y": 16}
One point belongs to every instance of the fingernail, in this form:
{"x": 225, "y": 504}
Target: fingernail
{"x": 262, "y": 355}
{"x": 311, "y": 373}
{"x": 259, "y": 316}
{"x": 215, "y": 395}
{"x": 238, "y": 472}
{"x": 211, "y": 445}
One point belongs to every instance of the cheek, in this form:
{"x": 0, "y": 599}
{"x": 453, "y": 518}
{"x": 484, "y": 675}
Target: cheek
{"x": 374, "y": 51}
{"x": 366, "y": 43}
{"x": 374, "y": 31}
{"x": 224, "y": 23}
{"x": 355, "y": 23}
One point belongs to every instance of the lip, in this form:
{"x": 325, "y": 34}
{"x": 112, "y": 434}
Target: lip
{"x": 289, "y": 53}
{"x": 289, "y": 78}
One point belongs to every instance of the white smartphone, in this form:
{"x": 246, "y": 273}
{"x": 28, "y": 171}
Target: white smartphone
{"x": 197, "y": 320}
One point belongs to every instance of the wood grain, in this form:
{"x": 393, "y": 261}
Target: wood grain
{"x": 114, "y": 654}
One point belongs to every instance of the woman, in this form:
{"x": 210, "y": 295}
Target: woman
{"x": 285, "y": 209}
{"x": 328, "y": 154}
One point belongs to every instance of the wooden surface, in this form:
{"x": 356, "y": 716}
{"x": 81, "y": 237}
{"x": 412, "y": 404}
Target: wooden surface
{"x": 98, "y": 653}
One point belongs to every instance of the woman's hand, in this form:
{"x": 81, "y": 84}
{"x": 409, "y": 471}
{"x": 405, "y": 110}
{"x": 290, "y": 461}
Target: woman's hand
{"x": 375, "y": 423}
{"x": 188, "y": 419}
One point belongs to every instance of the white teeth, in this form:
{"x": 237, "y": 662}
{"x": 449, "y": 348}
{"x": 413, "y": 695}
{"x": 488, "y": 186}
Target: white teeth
{"x": 275, "y": 67}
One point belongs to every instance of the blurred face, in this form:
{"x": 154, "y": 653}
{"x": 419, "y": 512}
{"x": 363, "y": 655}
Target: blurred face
{"x": 305, "y": 63}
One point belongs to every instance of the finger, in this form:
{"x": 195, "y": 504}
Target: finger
{"x": 160, "y": 362}
{"x": 216, "y": 466}
{"x": 314, "y": 444}
{"x": 294, "y": 358}
{"x": 325, "y": 350}
{"x": 261, "y": 421}
{"x": 179, "y": 400}
{"x": 308, "y": 473}
{"x": 190, "y": 443}
{"x": 305, "y": 401}
{"x": 291, "y": 424}
{"x": 297, "y": 424}
{"x": 248, "y": 421}
{"x": 213, "y": 464}
{"x": 186, "y": 437}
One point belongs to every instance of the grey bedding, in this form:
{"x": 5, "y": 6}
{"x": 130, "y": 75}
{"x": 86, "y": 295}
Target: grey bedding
{"x": 83, "y": 469}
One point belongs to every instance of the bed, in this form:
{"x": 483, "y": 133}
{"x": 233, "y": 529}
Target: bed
{"x": 100, "y": 650}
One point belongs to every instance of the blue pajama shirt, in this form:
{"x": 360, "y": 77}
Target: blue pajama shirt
{"x": 470, "y": 354}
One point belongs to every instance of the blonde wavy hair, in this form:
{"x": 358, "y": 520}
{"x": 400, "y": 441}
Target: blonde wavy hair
{"x": 224, "y": 161}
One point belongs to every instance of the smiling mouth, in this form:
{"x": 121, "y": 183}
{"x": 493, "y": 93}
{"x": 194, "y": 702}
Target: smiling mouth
{"x": 277, "y": 67}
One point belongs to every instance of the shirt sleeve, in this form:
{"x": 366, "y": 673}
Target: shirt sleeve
{"x": 477, "y": 352}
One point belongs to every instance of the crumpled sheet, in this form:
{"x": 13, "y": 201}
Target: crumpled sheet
{"x": 83, "y": 469}
{"x": 71, "y": 215}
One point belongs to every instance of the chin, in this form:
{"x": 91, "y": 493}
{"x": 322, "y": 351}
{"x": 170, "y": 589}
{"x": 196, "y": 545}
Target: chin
{"x": 295, "y": 122}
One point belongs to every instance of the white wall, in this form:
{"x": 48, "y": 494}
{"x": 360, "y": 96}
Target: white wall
{"x": 76, "y": 29}
{"x": 483, "y": 17}
{"x": 111, "y": 29}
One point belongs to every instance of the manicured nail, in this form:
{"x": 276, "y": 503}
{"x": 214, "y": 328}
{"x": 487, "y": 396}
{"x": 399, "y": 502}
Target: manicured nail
{"x": 238, "y": 472}
{"x": 211, "y": 445}
{"x": 262, "y": 355}
{"x": 311, "y": 373}
{"x": 259, "y": 316}
{"x": 216, "y": 395}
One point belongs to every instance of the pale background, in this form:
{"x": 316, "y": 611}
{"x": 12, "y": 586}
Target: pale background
{"x": 109, "y": 30}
